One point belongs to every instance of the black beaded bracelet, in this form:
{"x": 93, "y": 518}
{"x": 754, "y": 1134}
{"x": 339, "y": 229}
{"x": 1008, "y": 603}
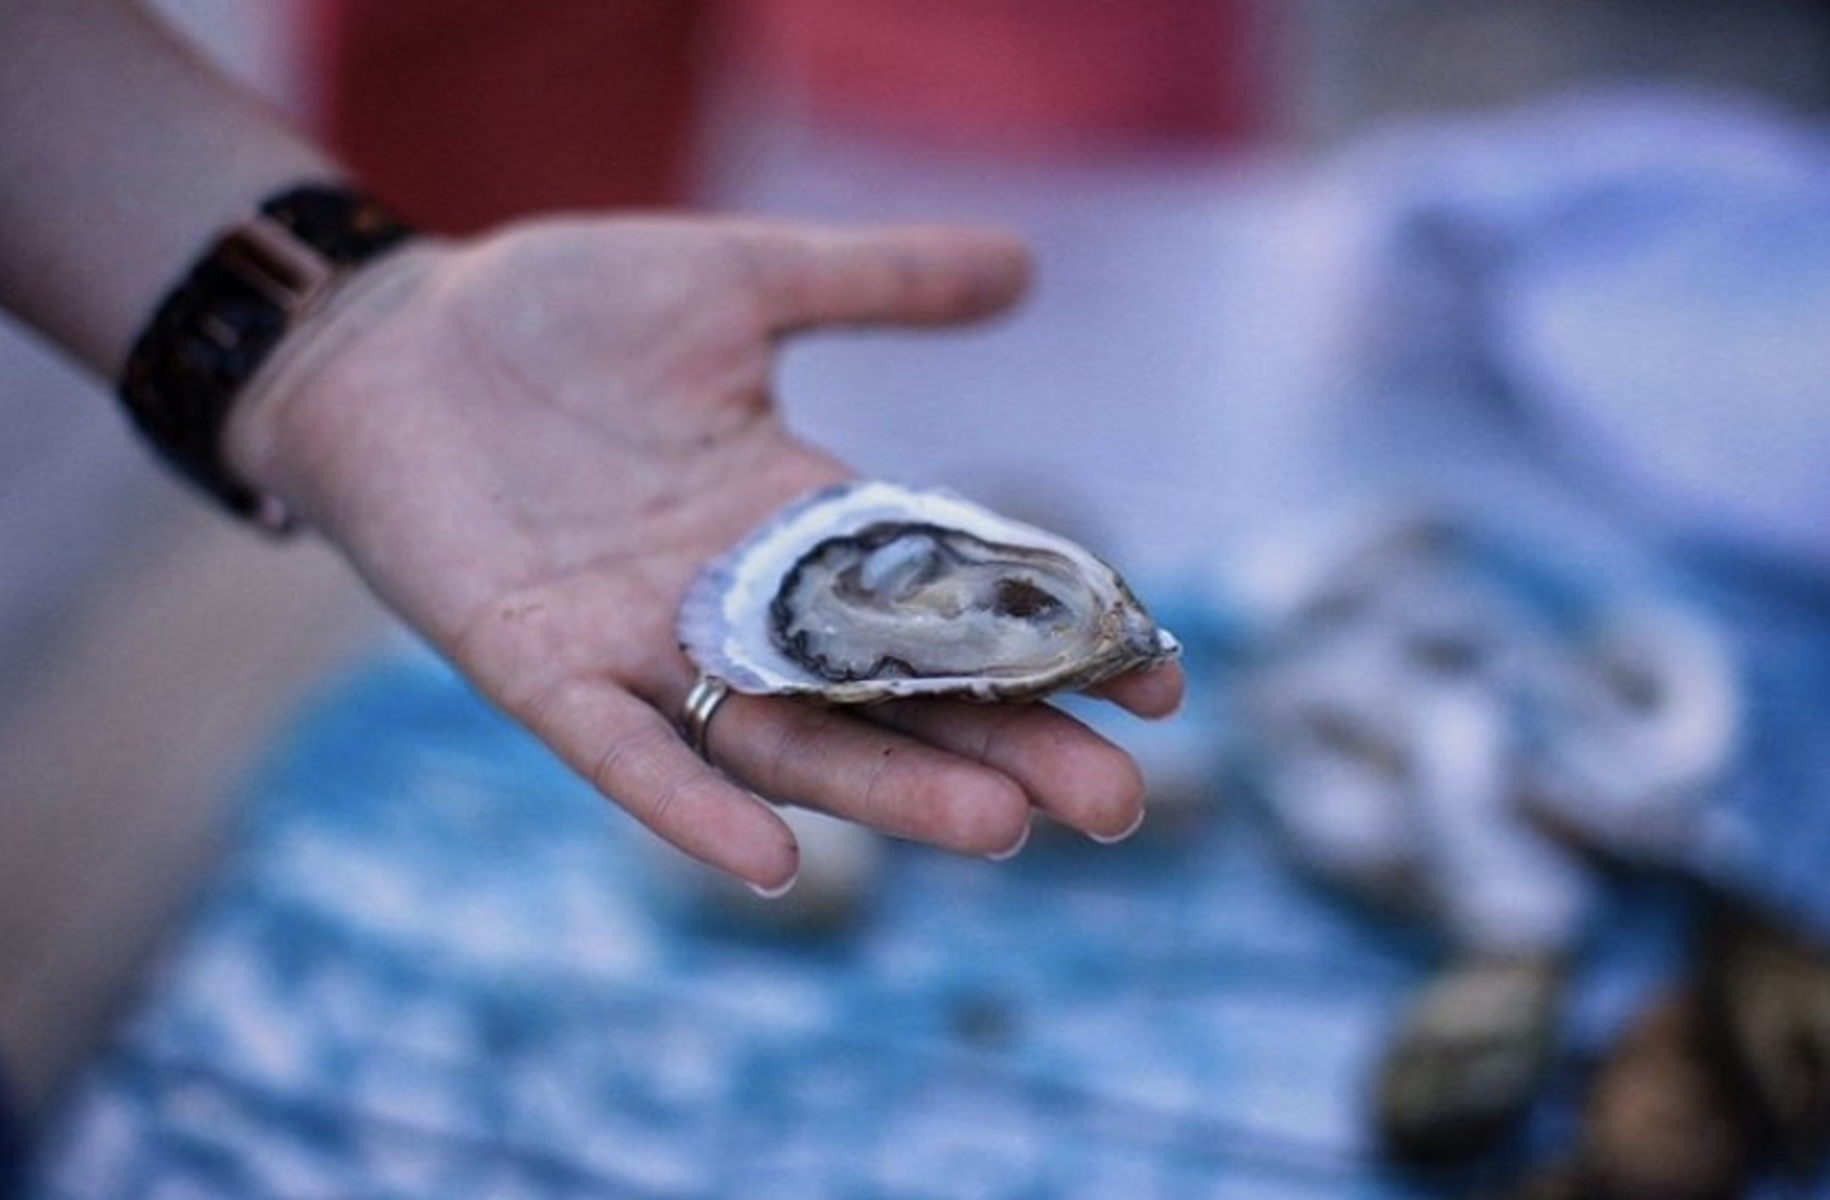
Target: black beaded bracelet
{"x": 212, "y": 332}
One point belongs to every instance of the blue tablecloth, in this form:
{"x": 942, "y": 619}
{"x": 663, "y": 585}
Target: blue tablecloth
{"x": 436, "y": 966}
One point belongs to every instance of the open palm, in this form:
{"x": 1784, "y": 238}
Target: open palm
{"x": 528, "y": 444}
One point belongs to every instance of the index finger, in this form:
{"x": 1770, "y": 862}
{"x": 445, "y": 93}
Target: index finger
{"x": 1153, "y": 692}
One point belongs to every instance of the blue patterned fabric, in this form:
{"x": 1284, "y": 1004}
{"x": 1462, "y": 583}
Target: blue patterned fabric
{"x": 436, "y": 966}
{"x": 1769, "y": 837}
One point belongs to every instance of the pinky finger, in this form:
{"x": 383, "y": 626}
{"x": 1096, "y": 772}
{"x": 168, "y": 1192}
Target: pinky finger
{"x": 636, "y": 758}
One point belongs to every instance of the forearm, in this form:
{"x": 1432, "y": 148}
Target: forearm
{"x": 125, "y": 154}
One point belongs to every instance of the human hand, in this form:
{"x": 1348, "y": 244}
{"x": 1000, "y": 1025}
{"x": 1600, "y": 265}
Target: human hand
{"x": 528, "y": 444}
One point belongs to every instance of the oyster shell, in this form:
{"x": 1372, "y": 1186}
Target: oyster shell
{"x": 868, "y": 590}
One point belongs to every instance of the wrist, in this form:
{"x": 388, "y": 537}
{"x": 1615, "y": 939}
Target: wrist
{"x": 284, "y": 426}
{"x": 240, "y": 303}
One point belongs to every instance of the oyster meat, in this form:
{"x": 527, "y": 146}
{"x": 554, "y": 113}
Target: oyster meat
{"x": 869, "y": 590}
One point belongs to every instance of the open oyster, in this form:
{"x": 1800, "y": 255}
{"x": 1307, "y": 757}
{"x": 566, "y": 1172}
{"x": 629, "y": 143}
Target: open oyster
{"x": 868, "y": 590}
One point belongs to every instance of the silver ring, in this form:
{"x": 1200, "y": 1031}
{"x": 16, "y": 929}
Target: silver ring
{"x": 701, "y": 705}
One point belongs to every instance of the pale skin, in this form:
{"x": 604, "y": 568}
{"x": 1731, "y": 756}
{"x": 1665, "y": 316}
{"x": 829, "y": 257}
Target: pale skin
{"x": 527, "y": 444}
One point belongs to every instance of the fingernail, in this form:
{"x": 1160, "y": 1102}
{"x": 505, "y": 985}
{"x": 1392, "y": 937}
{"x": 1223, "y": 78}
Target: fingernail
{"x": 1112, "y": 839}
{"x": 778, "y": 891}
{"x": 1016, "y": 849}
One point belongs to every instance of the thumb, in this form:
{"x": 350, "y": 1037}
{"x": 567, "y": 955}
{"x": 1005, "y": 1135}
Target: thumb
{"x": 813, "y": 276}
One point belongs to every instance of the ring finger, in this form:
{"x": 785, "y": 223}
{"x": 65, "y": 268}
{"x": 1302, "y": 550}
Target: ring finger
{"x": 1070, "y": 772}
{"x": 830, "y": 759}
